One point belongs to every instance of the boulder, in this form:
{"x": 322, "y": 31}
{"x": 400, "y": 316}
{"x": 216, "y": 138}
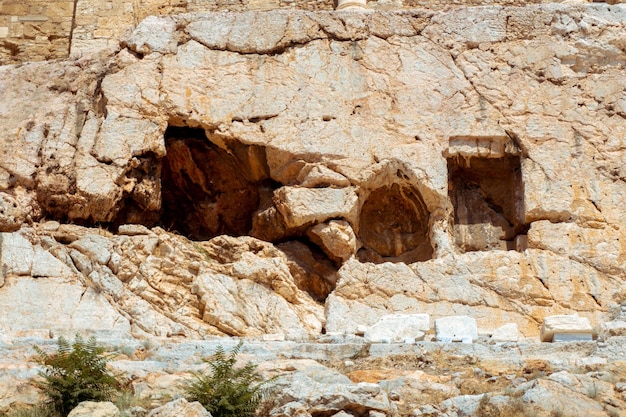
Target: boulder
{"x": 323, "y": 391}
{"x": 95, "y": 409}
{"x": 180, "y": 408}
{"x": 300, "y": 206}
{"x": 336, "y": 238}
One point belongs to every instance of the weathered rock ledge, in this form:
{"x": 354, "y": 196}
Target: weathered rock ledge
{"x": 344, "y": 374}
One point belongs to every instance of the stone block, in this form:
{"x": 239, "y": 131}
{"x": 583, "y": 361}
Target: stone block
{"x": 4, "y": 32}
{"x": 16, "y": 30}
{"x": 37, "y": 9}
{"x": 336, "y": 238}
{"x": 456, "y": 328}
{"x": 60, "y": 9}
{"x": 14, "y": 9}
{"x": 506, "y": 333}
{"x": 572, "y": 337}
{"x": 32, "y": 29}
{"x": 356, "y": 5}
{"x": 564, "y": 324}
{"x": 300, "y": 206}
{"x": 33, "y": 18}
{"x": 398, "y": 327}
{"x": 84, "y": 20}
{"x": 477, "y": 146}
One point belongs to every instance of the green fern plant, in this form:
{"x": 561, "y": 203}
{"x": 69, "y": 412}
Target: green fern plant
{"x": 226, "y": 390}
{"x": 76, "y": 372}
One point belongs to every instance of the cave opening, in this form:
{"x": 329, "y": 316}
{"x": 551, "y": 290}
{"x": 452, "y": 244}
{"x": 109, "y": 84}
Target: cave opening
{"x": 208, "y": 190}
{"x": 487, "y": 197}
{"x": 393, "y": 226}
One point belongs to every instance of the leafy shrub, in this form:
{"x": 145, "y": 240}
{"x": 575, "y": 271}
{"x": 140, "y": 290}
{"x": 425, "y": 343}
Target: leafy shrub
{"x": 75, "y": 373}
{"x": 227, "y": 391}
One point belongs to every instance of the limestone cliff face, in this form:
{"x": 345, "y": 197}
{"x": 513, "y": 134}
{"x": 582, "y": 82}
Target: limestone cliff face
{"x": 321, "y": 170}
{"x": 36, "y": 30}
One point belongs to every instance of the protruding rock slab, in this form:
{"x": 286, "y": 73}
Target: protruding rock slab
{"x": 565, "y": 324}
{"x": 300, "y": 206}
{"x": 398, "y": 328}
{"x": 336, "y": 238}
{"x": 456, "y": 329}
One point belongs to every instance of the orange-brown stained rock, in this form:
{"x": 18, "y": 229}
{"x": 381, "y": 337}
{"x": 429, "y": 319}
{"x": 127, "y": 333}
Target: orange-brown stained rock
{"x": 377, "y": 375}
{"x": 394, "y": 221}
{"x": 208, "y": 191}
{"x": 486, "y": 194}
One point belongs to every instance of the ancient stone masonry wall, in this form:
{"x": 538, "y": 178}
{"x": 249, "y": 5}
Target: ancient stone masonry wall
{"x": 34, "y": 29}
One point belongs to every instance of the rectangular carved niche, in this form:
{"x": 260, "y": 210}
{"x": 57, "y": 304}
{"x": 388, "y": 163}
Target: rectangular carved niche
{"x": 486, "y": 190}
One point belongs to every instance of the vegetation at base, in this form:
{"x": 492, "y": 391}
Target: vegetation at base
{"x": 76, "y": 372}
{"x": 226, "y": 390}
{"x": 34, "y": 411}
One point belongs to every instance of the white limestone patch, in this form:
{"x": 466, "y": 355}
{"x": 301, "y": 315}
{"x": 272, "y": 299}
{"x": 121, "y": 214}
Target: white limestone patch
{"x": 398, "y": 328}
{"x": 456, "y": 329}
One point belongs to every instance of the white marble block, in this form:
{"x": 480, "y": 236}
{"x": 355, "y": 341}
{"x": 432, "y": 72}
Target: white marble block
{"x": 565, "y": 324}
{"x": 398, "y": 327}
{"x": 456, "y": 328}
{"x": 507, "y": 333}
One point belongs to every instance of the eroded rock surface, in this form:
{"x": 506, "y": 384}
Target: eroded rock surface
{"x": 289, "y": 173}
{"x": 407, "y": 136}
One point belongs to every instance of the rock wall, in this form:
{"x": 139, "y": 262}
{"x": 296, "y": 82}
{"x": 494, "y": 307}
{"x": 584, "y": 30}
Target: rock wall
{"x": 361, "y": 164}
{"x": 33, "y": 30}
